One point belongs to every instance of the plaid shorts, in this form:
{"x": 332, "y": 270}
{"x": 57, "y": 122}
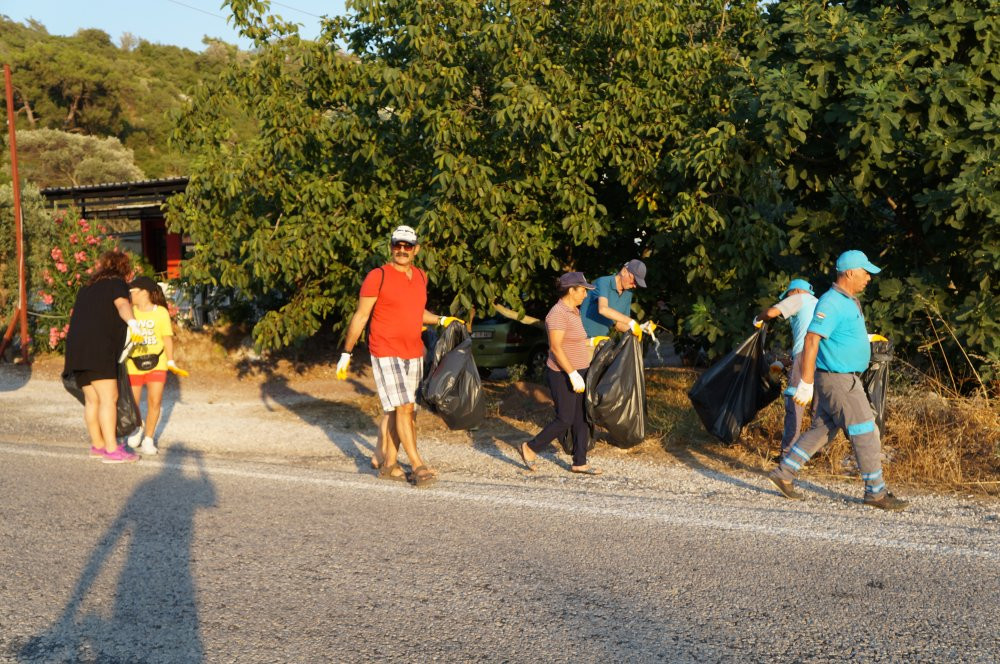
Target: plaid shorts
{"x": 396, "y": 380}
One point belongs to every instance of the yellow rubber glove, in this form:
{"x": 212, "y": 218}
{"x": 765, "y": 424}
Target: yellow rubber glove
{"x": 758, "y": 323}
{"x": 634, "y": 328}
{"x": 595, "y": 341}
{"x": 448, "y": 320}
{"x": 135, "y": 334}
{"x": 872, "y": 338}
{"x": 649, "y": 327}
{"x": 343, "y": 365}
{"x": 174, "y": 369}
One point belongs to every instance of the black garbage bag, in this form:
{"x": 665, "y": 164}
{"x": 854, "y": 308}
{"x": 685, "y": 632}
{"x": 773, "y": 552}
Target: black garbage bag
{"x": 69, "y": 383}
{"x": 876, "y": 380}
{"x": 734, "y": 389}
{"x": 127, "y": 415}
{"x": 452, "y": 387}
{"x": 128, "y": 418}
{"x": 616, "y": 391}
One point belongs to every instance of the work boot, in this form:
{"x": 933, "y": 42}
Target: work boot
{"x": 887, "y": 502}
{"x": 786, "y": 487}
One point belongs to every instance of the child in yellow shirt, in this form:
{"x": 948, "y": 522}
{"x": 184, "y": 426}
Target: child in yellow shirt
{"x": 152, "y": 358}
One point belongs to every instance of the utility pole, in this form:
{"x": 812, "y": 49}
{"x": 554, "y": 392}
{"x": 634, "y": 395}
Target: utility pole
{"x": 21, "y": 310}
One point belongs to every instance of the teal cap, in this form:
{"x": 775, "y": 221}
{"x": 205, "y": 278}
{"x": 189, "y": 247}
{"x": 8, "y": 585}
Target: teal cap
{"x": 798, "y": 283}
{"x": 853, "y": 259}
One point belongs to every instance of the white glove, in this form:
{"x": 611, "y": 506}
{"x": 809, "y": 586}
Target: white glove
{"x": 135, "y": 332}
{"x": 576, "y": 380}
{"x": 803, "y": 393}
{"x": 173, "y": 368}
{"x": 634, "y": 328}
{"x": 342, "y": 365}
{"x": 758, "y": 323}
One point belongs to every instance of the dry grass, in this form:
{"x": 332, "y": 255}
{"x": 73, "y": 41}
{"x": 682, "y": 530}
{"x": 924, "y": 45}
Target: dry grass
{"x": 932, "y": 441}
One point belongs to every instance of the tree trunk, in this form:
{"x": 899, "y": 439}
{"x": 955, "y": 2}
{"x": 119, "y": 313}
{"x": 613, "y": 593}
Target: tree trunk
{"x": 74, "y": 108}
{"x": 26, "y": 107}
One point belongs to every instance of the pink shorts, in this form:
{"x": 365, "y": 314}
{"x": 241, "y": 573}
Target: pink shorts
{"x": 138, "y": 380}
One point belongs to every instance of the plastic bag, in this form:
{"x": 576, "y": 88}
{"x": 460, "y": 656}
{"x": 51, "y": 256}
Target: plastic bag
{"x": 452, "y": 387}
{"x": 69, "y": 383}
{"x": 127, "y": 415}
{"x": 127, "y": 418}
{"x": 876, "y": 380}
{"x": 616, "y": 391}
{"x": 734, "y": 389}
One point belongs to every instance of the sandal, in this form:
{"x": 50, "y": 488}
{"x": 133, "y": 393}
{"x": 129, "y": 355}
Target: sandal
{"x": 524, "y": 457}
{"x": 423, "y": 477}
{"x": 389, "y": 473}
{"x": 586, "y": 470}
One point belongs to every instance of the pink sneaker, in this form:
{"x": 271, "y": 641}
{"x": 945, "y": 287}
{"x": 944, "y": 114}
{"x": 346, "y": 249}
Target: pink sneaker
{"x": 120, "y": 455}
{"x": 96, "y": 452}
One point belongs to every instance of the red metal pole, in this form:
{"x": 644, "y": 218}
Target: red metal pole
{"x": 21, "y": 311}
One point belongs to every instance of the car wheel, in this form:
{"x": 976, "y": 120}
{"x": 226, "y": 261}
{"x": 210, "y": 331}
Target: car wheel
{"x": 536, "y": 361}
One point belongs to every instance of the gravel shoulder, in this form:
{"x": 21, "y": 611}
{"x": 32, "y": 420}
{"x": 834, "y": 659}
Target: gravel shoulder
{"x": 313, "y": 421}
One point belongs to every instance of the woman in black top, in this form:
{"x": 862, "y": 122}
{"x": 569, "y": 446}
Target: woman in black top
{"x": 102, "y": 316}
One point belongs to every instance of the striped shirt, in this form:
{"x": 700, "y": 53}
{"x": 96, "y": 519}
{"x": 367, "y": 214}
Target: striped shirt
{"x": 575, "y": 343}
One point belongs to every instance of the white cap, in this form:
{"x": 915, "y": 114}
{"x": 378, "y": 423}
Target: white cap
{"x": 404, "y": 234}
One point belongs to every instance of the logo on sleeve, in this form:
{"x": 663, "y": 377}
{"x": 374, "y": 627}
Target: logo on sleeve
{"x": 820, "y": 315}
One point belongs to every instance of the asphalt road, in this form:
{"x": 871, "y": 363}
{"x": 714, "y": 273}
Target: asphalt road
{"x": 187, "y": 558}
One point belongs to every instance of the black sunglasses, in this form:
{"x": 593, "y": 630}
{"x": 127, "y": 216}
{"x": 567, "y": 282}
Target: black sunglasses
{"x": 402, "y": 245}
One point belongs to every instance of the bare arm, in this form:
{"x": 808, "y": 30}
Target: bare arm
{"x": 605, "y": 310}
{"x": 769, "y": 313}
{"x": 168, "y": 347}
{"x": 124, "y": 307}
{"x": 358, "y": 322}
{"x": 430, "y": 319}
{"x": 809, "y": 352}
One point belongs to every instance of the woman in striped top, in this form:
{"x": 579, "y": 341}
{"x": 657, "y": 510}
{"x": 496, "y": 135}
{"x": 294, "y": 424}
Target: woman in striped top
{"x": 570, "y": 353}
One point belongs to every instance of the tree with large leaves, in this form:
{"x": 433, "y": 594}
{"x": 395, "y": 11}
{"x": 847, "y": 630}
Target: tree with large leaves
{"x": 884, "y": 120}
{"x": 520, "y": 138}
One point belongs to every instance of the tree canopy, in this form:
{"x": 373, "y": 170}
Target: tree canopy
{"x": 85, "y": 84}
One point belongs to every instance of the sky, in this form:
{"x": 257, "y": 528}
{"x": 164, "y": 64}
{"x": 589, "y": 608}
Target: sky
{"x": 177, "y": 22}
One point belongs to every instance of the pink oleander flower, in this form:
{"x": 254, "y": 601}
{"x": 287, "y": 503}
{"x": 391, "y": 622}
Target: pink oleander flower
{"x": 53, "y": 337}
{"x": 80, "y": 256}
{"x": 90, "y": 270}
{"x": 62, "y": 267}
{"x": 56, "y": 254}
{"x": 46, "y": 298}
{"x": 92, "y": 240}
{"x": 73, "y": 238}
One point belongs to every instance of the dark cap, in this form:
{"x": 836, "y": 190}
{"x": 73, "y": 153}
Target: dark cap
{"x": 573, "y": 279}
{"x": 638, "y": 270}
{"x": 144, "y": 283}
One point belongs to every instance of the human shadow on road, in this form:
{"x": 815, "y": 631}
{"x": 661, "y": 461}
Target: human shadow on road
{"x": 342, "y": 423}
{"x": 14, "y": 376}
{"x": 687, "y": 456}
{"x": 155, "y": 609}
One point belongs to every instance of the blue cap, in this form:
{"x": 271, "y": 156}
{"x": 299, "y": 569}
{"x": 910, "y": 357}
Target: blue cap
{"x": 850, "y": 260}
{"x": 798, "y": 283}
{"x": 571, "y": 279}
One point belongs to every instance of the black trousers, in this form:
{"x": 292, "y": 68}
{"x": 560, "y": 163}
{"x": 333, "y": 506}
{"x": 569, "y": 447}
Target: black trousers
{"x": 570, "y": 416}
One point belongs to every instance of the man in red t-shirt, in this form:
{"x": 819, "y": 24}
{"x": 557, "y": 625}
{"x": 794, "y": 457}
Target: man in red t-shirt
{"x": 394, "y": 296}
